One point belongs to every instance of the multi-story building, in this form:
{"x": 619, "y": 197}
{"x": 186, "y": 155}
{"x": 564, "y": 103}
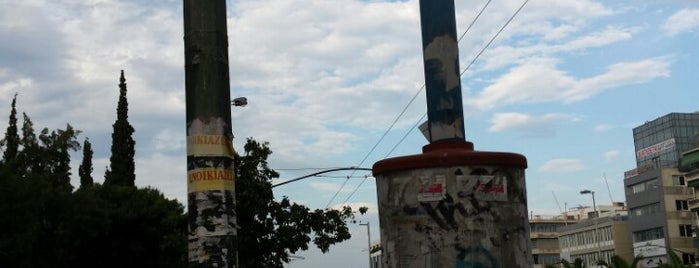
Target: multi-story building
{"x": 690, "y": 165}
{"x": 596, "y": 238}
{"x": 656, "y": 191}
{"x": 662, "y": 141}
{"x": 544, "y": 231}
{"x": 375, "y": 255}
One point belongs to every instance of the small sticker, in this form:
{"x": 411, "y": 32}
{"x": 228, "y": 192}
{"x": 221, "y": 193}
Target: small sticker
{"x": 431, "y": 189}
{"x": 482, "y": 187}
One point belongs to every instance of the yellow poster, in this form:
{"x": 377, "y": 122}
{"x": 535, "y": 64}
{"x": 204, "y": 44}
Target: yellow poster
{"x": 205, "y": 179}
{"x": 209, "y": 145}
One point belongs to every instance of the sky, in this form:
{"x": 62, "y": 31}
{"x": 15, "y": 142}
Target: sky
{"x": 563, "y": 84}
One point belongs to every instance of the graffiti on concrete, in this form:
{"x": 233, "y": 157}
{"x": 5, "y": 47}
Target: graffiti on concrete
{"x": 471, "y": 217}
{"x": 475, "y": 257}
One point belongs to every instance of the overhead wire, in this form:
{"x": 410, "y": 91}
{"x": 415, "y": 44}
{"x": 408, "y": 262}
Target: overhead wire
{"x": 398, "y": 118}
{"x": 423, "y": 86}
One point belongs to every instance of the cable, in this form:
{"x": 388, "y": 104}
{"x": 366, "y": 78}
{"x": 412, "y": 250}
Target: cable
{"x": 462, "y": 73}
{"x": 300, "y": 169}
{"x": 406, "y": 135}
{"x": 473, "y": 21}
{"x": 495, "y": 36}
{"x": 399, "y": 116}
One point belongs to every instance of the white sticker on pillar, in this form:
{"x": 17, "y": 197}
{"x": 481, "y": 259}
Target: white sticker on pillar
{"x": 431, "y": 188}
{"x": 482, "y": 187}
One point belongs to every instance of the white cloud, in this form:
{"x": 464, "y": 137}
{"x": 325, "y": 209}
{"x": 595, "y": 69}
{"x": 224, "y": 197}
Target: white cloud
{"x": 561, "y": 165}
{"x": 169, "y": 140}
{"x": 684, "y": 20}
{"x": 611, "y": 155}
{"x": 505, "y": 55}
{"x": 541, "y": 126}
{"x": 602, "y": 127}
{"x": 328, "y": 187}
{"x": 538, "y": 80}
{"x": 167, "y": 173}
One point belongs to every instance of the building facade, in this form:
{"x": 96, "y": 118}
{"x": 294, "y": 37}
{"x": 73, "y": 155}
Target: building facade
{"x": 597, "y": 239}
{"x": 690, "y": 165}
{"x": 656, "y": 190}
{"x": 662, "y": 141}
{"x": 544, "y": 231}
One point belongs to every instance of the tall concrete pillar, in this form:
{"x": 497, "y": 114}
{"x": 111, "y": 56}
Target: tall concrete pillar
{"x": 451, "y": 206}
{"x": 210, "y": 175}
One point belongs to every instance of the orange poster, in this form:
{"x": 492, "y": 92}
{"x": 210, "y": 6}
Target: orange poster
{"x": 209, "y": 145}
{"x": 205, "y": 179}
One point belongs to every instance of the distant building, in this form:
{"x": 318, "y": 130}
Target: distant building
{"x": 656, "y": 190}
{"x": 662, "y": 141}
{"x": 375, "y": 255}
{"x": 598, "y": 238}
{"x": 544, "y": 231}
{"x": 690, "y": 165}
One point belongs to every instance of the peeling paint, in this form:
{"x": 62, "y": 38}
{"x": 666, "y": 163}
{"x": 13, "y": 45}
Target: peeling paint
{"x": 479, "y": 221}
{"x": 211, "y": 194}
{"x": 444, "y": 53}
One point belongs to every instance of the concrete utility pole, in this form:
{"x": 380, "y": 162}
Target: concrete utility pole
{"x": 451, "y": 206}
{"x": 210, "y": 175}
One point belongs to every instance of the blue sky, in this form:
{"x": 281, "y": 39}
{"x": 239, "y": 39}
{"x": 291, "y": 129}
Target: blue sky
{"x": 563, "y": 84}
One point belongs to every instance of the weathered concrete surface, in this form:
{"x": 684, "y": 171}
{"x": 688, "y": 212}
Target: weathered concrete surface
{"x": 460, "y": 216}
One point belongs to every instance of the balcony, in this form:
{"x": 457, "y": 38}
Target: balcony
{"x": 693, "y": 204}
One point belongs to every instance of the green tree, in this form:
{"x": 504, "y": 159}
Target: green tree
{"x": 35, "y": 193}
{"x": 85, "y": 169}
{"x": 121, "y": 169}
{"x": 123, "y": 226}
{"x": 577, "y": 263}
{"x": 11, "y": 140}
{"x": 45, "y": 224}
{"x": 675, "y": 261}
{"x": 618, "y": 262}
{"x": 271, "y": 230}
{"x": 56, "y": 146}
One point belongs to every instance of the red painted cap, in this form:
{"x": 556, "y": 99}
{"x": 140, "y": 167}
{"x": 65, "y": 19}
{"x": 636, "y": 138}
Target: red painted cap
{"x": 447, "y": 154}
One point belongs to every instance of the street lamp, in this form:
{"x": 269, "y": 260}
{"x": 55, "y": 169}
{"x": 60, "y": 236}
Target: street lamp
{"x": 594, "y": 207}
{"x": 368, "y": 235}
{"x": 239, "y": 101}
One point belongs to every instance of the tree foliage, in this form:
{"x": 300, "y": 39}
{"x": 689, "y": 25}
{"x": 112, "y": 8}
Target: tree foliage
{"x": 11, "y": 140}
{"x": 121, "y": 163}
{"x": 271, "y": 230}
{"x": 46, "y": 224}
{"x": 85, "y": 169}
{"x": 618, "y": 262}
{"x": 675, "y": 261}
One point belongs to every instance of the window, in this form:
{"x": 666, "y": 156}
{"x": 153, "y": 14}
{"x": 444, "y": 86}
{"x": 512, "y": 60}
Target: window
{"x": 645, "y": 210}
{"x": 685, "y": 230}
{"x": 678, "y": 180}
{"x": 638, "y": 188}
{"x": 688, "y": 259}
{"x": 643, "y": 186}
{"x": 649, "y": 234}
{"x": 681, "y": 205}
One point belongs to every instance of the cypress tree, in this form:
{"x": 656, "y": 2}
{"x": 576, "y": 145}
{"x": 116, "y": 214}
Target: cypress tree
{"x": 85, "y": 169}
{"x": 11, "y": 137}
{"x": 28, "y": 159}
{"x": 121, "y": 163}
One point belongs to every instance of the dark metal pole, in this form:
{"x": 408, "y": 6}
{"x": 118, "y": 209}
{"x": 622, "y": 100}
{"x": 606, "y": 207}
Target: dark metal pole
{"x": 440, "y": 50}
{"x": 451, "y": 206}
{"x": 210, "y": 174}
